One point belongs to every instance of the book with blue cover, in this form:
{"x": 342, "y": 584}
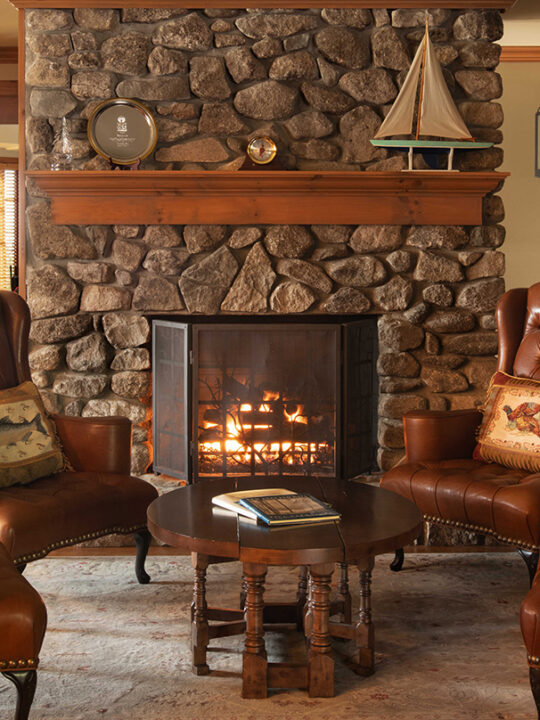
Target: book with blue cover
{"x": 289, "y": 509}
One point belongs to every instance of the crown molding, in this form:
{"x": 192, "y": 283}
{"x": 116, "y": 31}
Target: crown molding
{"x": 520, "y": 53}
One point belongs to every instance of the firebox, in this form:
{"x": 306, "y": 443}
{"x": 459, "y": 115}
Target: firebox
{"x": 244, "y": 398}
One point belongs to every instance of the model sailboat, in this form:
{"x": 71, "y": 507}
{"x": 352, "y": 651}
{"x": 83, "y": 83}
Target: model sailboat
{"x": 437, "y": 114}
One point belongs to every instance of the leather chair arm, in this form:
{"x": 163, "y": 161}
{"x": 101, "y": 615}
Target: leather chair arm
{"x": 529, "y": 621}
{"x": 96, "y": 444}
{"x": 434, "y": 435}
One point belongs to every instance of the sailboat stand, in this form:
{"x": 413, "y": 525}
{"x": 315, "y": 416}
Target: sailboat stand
{"x": 409, "y": 147}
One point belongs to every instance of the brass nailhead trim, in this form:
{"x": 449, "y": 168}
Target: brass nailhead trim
{"x": 533, "y": 660}
{"x": 21, "y": 663}
{"x": 483, "y": 530}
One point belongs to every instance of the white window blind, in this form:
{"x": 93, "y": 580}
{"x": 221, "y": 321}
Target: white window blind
{"x": 8, "y": 226}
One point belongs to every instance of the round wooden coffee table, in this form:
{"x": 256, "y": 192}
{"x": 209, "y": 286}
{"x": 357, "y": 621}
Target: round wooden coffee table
{"x": 373, "y": 521}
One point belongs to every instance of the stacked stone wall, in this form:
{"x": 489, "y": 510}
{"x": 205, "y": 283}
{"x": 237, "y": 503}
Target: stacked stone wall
{"x": 319, "y": 82}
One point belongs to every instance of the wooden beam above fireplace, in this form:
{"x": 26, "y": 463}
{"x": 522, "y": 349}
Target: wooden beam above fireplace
{"x": 259, "y": 197}
{"x": 300, "y": 4}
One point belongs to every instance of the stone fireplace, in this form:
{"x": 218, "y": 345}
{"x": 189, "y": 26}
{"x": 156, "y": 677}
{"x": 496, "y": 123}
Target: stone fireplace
{"x": 319, "y": 83}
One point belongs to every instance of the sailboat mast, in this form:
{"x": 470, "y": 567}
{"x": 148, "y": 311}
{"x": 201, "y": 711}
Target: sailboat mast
{"x": 422, "y": 78}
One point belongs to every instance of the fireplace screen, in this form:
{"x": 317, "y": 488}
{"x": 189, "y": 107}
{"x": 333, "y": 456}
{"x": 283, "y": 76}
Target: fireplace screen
{"x": 260, "y": 399}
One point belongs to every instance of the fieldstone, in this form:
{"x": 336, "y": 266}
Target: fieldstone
{"x": 80, "y": 386}
{"x": 51, "y": 103}
{"x": 83, "y": 41}
{"x": 158, "y": 88}
{"x": 93, "y": 272}
{"x": 126, "y": 330}
{"x": 474, "y": 343}
{"x": 131, "y": 359}
{"x": 73, "y": 408}
{"x": 487, "y": 236}
{"x": 274, "y": 25}
{"x": 435, "y": 268}
{"x": 88, "y": 354}
{"x": 448, "y": 237}
{"x": 220, "y": 118}
{"x": 51, "y": 402}
{"x": 450, "y": 321}
{"x": 141, "y": 458}
{"x": 390, "y": 434}
{"x": 88, "y": 60}
{"x": 267, "y": 47}
{"x": 127, "y": 254}
{"x": 288, "y": 241}
{"x": 161, "y": 236}
{"x": 51, "y": 292}
{"x": 389, "y": 50}
{"x": 481, "y": 113}
{"x": 381, "y": 17}
{"x": 291, "y": 297}
{"x": 314, "y": 149}
{"x": 61, "y": 328}
{"x": 432, "y": 344}
{"x": 376, "y": 238}
{"x": 479, "y": 25}
{"x": 347, "y": 300}
{"x": 186, "y": 33}
{"x": 373, "y": 85}
{"x": 170, "y": 130}
{"x": 408, "y": 18}
{"x": 492, "y": 210}
{"x": 244, "y": 236}
{"x": 401, "y": 364}
{"x": 267, "y": 100}
{"x": 357, "y": 127}
{"x": 124, "y": 277}
{"x": 163, "y": 61}
{"x": 357, "y": 271}
{"x": 392, "y": 406}
{"x": 199, "y": 238}
{"x": 353, "y": 17}
{"x": 327, "y": 99}
{"x": 149, "y": 15}
{"x": 332, "y": 233}
{"x": 250, "y": 290}
{"x": 131, "y": 384}
{"x": 480, "y": 84}
{"x": 400, "y": 260}
{"x": 396, "y": 294}
{"x": 180, "y": 111}
{"x": 469, "y": 257}
{"x": 108, "y": 407}
{"x": 39, "y": 135}
{"x": 480, "y": 54}
{"x": 490, "y": 264}
{"x": 221, "y": 26}
{"x": 296, "y": 66}
{"x": 156, "y": 293}
{"x": 49, "y": 44}
{"x": 398, "y": 385}
{"x": 487, "y": 159}
{"x": 164, "y": 261}
{"x": 310, "y": 124}
{"x": 40, "y": 378}
{"x": 194, "y": 151}
{"x": 488, "y": 321}
{"x": 229, "y": 39}
{"x": 47, "y": 357}
{"x": 96, "y": 298}
{"x": 343, "y": 47}
{"x": 446, "y": 54}
{"x": 328, "y": 71}
{"x": 480, "y": 295}
{"x": 207, "y": 78}
{"x": 296, "y": 42}
{"x": 126, "y": 231}
{"x": 329, "y": 252}
{"x": 242, "y": 65}
{"x": 205, "y": 284}
{"x": 438, "y": 295}
{"x": 399, "y": 334}
{"x": 45, "y": 19}
{"x": 127, "y": 53}
{"x": 95, "y": 19}
{"x": 306, "y": 273}
{"x": 444, "y": 381}
{"x": 94, "y": 84}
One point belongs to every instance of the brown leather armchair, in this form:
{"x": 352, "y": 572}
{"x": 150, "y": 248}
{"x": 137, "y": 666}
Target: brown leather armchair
{"x": 451, "y": 488}
{"x": 23, "y": 620}
{"x": 98, "y": 497}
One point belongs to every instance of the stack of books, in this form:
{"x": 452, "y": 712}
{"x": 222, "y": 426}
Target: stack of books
{"x": 277, "y": 506}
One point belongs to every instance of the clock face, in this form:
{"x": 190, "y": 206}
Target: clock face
{"x": 262, "y": 150}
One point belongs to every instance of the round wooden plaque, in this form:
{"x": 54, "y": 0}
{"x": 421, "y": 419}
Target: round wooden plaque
{"x": 122, "y": 130}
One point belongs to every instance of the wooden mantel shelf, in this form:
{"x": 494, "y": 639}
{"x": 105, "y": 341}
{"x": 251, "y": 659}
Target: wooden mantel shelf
{"x": 265, "y": 197}
{"x": 300, "y": 4}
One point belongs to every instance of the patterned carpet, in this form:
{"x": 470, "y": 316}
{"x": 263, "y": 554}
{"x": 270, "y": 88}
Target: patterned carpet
{"x": 447, "y": 639}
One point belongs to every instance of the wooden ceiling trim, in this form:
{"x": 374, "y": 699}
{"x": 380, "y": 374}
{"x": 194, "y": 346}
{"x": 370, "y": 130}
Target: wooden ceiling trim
{"x": 520, "y": 53}
{"x": 264, "y": 197}
{"x": 9, "y": 55}
{"x": 301, "y": 4}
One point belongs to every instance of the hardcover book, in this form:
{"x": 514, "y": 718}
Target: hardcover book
{"x": 289, "y": 508}
{"x": 231, "y": 501}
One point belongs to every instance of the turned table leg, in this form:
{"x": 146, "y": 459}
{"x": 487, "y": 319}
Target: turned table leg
{"x": 343, "y": 594}
{"x": 199, "y": 621}
{"x": 254, "y": 665}
{"x": 364, "y": 633}
{"x": 321, "y": 662}
{"x": 301, "y": 596}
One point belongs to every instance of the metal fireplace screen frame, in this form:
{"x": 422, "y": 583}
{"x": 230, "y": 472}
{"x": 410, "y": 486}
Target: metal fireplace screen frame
{"x": 241, "y": 398}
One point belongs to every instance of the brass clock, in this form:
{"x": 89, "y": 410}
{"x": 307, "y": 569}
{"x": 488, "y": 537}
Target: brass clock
{"x": 261, "y": 150}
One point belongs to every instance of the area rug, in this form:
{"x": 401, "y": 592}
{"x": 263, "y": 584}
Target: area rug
{"x": 448, "y": 645}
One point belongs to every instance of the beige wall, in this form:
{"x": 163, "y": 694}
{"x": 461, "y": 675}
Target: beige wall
{"x": 521, "y": 193}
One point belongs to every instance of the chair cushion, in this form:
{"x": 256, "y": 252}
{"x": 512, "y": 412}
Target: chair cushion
{"x": 485, "y": 497}
{"x": 510, "y": 431}
{"x": 29, "y": 448}
{"x": 70, "y": 507}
